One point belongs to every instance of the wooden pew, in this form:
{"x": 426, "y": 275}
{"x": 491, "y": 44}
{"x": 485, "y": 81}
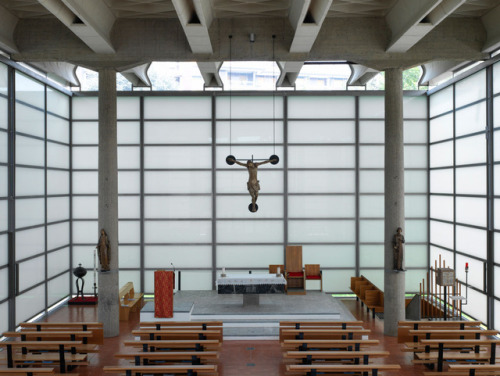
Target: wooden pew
{"x": 52, "y": 335}
{"x": 318, "y": 325}
{"x": 369, "y": 294}
{"x": 314, "y": 369}
{"x": 308, "y": 357}
{"x": 467, "y": 333}
{"x": 27, "y": 371}
{"x": 339, "y": 344}
{"x": 473, "y": 369}
{"x": 147, "y": 358}
{"x": 95, "y": 327}
{"x": 130, "y": 301}
{"x": 178, "y": 334}
{"x": 322, "y": 333}
{"x": 405, "y": 326}
{"x": 181, "y": 325}
{"x": 178, "y": 369}
{"x": 190, "y": 345}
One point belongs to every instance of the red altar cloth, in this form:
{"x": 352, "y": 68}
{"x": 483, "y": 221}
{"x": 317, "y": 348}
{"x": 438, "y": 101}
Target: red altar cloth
{"x": 164, "y": 293}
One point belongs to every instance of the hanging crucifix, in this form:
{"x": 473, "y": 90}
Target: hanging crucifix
{"x": 252, "y": 184}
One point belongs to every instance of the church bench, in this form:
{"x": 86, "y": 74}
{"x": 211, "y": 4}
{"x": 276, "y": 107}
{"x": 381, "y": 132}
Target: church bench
{"x": 187, "y": 369}
{"x": 311, "y": 344}
{"x": 405, "y": 326}
{"x": 178, "y": 334}
{"x": 369, "y": 294}
{"x": 192, "y": 345}
{"x": 315, "y": 369}
{"x": 195, "y": 357}
{"x": 95, "y": 327}
{"x": 323, "y": 333}
{"x": 130, "y": 301}
{"x": 52, "y": 335}
{"x": 307, "y": 357}
{"x": 467, "y": 333}
{"x": 320, "y": 324}
{"x": 27, "y": 371}
{"x": 181, "y": 325}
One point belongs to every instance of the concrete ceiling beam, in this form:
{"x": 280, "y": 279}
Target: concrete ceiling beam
{"x": 289, "y": 71}
{"x": 59, "y": 71}
{"x": 491, "y": 22}
{"x": 138, "y": 75}
{"x": 210, "y": 72}
{"x": 360, "y": 75}
{"x": 438, "y": 71}
{"x": 89, "y": 20}
{"x": 8, "y": 23}
{"x": 410, "y": 21}
{"x": 196, "y": 16}
{"x": 306, "y": 18}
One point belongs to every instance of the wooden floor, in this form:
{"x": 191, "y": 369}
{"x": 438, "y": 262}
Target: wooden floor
{"x": 238, "y": 358}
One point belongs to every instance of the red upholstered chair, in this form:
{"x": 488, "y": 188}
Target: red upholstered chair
{"x": 294, "y": 270}
{"x": 273, "y": 269}
{"x": 313, "y": 272}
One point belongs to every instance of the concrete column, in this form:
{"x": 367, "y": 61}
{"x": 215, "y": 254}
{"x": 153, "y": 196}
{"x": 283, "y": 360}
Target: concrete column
{"x": 108, "y": 307}
{"x": 394, "y": 282}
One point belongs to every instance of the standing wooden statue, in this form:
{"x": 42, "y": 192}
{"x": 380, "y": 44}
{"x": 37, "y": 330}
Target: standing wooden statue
{"x": 103, "y": 251}
{"x": 397, "y": 244}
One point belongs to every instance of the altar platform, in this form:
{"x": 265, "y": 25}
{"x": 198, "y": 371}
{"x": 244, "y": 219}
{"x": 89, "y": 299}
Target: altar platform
{"x": 255, "y": 321}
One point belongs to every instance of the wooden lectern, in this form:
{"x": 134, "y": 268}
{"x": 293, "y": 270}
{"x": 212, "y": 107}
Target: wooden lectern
{"x": 164, "y": 293}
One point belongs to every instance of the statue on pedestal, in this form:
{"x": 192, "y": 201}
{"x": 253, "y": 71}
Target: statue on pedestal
{"x": 103, "y": 251}
{"x": 397, "y": 244}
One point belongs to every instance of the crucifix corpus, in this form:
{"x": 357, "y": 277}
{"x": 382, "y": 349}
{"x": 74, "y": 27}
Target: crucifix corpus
{"x": 252, "y": 184}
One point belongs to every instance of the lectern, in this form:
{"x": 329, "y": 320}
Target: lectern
{"x": 164, "y": 293}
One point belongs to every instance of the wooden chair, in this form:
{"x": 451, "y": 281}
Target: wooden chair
{"x": 313, "y": 272}
{"x": 294, "y": 271}
{"x": 273, "y": 269}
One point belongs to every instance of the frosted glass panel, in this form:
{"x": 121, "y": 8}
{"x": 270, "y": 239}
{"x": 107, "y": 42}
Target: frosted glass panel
{"x": 415, "y": 107}
{"x": 496, "y": 145}
{"x": 30, "y": 121}
{"x": 58, "y": 288}
{"x": 413, "y": 278}
{"x": 446, "y": 257}
{"x": 321, "y": 206}
{"x": 58, "y": 261}
{"x": 30, "y": 181}
{"x": 496, "y": 88}
{"x": 129, "y": 256}
{"x": 129, "y": 182}
{"x": 85, "y": 182}
{"x": 415, "y": 181}
{"x": 30, "y": 242}
{"x": 31, "y": 272}
{"x": 471, "y": 119}
{"x": 441, "y": 207}
{"x": 4, "y": 285}
{"x": 321, "y": 132}
{"x": 471, "y": 211}
{"x": 57, "y": 209}
{"x": 4, "y": 148}
{"x": 471, "y": 241}
{"x": 371, "y": 156}
{"x": 371, "y": 132}
{"x": 321, "y": 107}
{"x": 237, "y": 207}
{"x": 416, "y": 256}
{"x": 185, "y": 256}
{"x": 250, "y": 231}
{"x": 129, "y": 207}
{"x": 4, "y": 257}
{"x": 235, "y": 181}
{"x": 471, "y": 150}
{"x": 85, "y": 232}
{"x": 245, "y": 152}
{"x": 476, "y": 306}
{"x": 178, "y": 207}
{"x": 416, "y": 231}
{"x": 3, "y": 181}
{"x": 57, "y": 235}
{"x": 4, "y": 225}
{"x": 371, "y": 181}
{"x": 29, "y": 151}
{"x": 85, "y": 255}
{"x": 329, "y": 256}
{"x": 30, "y": 303}
{"x": 441, "y": 102}
{"x": 85, "y": 132}
{"x": 186, "y": 132}
{"x": 85, "y": 207}
{"x": 374, "y": 276}
{"x": 415, "y": 132}
{"x": 416, "y": 206}
{"x": 85, "y": 108}
{"x": 178, "y": 232}
{"x": 191, "y": 280}
{"x": 371, "y": 256}
{"x": 130, "y": 276}
{"x": 244, "y": 256}
{"x": 476, "y": 271}
{"x": 496, "y": 252}
{"x": 441, "y": 128}
{"x": 441, "y": 154}
{"x": 128, "y": 107}
{"x": 415, "y": 156}
{"x": 178, "y": 107}
{"x": 29, "y": 90}
{"x": 496, "y": 111}
{"x": 496, "y": 213}
{"x": 496, "y": 179}
{"x": 129, "y": 232}
{"x": 57, "y": 129}
{"x": 3, "y": 84}
{"x": 371, "y": 231}
{"x": 57, "y": 102}
{"x": 321, "y": 181}
{"x": 30, "y": 212}
{"x": 372, "y": 107}
{"x": 85, "y": 157}
{"x": 321, "y": 157}
{"x": 334, "y": 280}
{"x": 471, "y": 89}
{"x": 3, "y": 112}
{"x": 471, "y": 180}
{"x": 178, "y": 181}
{"x": 321, "y": 231}
{"x": 245, "y": 132}
{"x": 177, "y": 157}
{"x": 128, "y": 132}
{"x": 371, "y": 206}
{"x": 441, "y": 234}
{"x": 129, "y": 157}
{"x": 57, "y": 155}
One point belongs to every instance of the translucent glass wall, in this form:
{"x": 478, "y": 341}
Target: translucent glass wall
{"x": 464, "y": 185}
{"x": 4, "y": 191}
{"x": 180, "y": 203}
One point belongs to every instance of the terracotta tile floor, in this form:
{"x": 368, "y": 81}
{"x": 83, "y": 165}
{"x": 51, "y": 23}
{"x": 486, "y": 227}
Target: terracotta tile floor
{"x": 238, "y": 358}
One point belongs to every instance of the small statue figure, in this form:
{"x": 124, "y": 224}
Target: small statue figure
{"x": 103, "y": 251}
{"x": 253, "y": 184}
{"x": 397, "y": 244}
